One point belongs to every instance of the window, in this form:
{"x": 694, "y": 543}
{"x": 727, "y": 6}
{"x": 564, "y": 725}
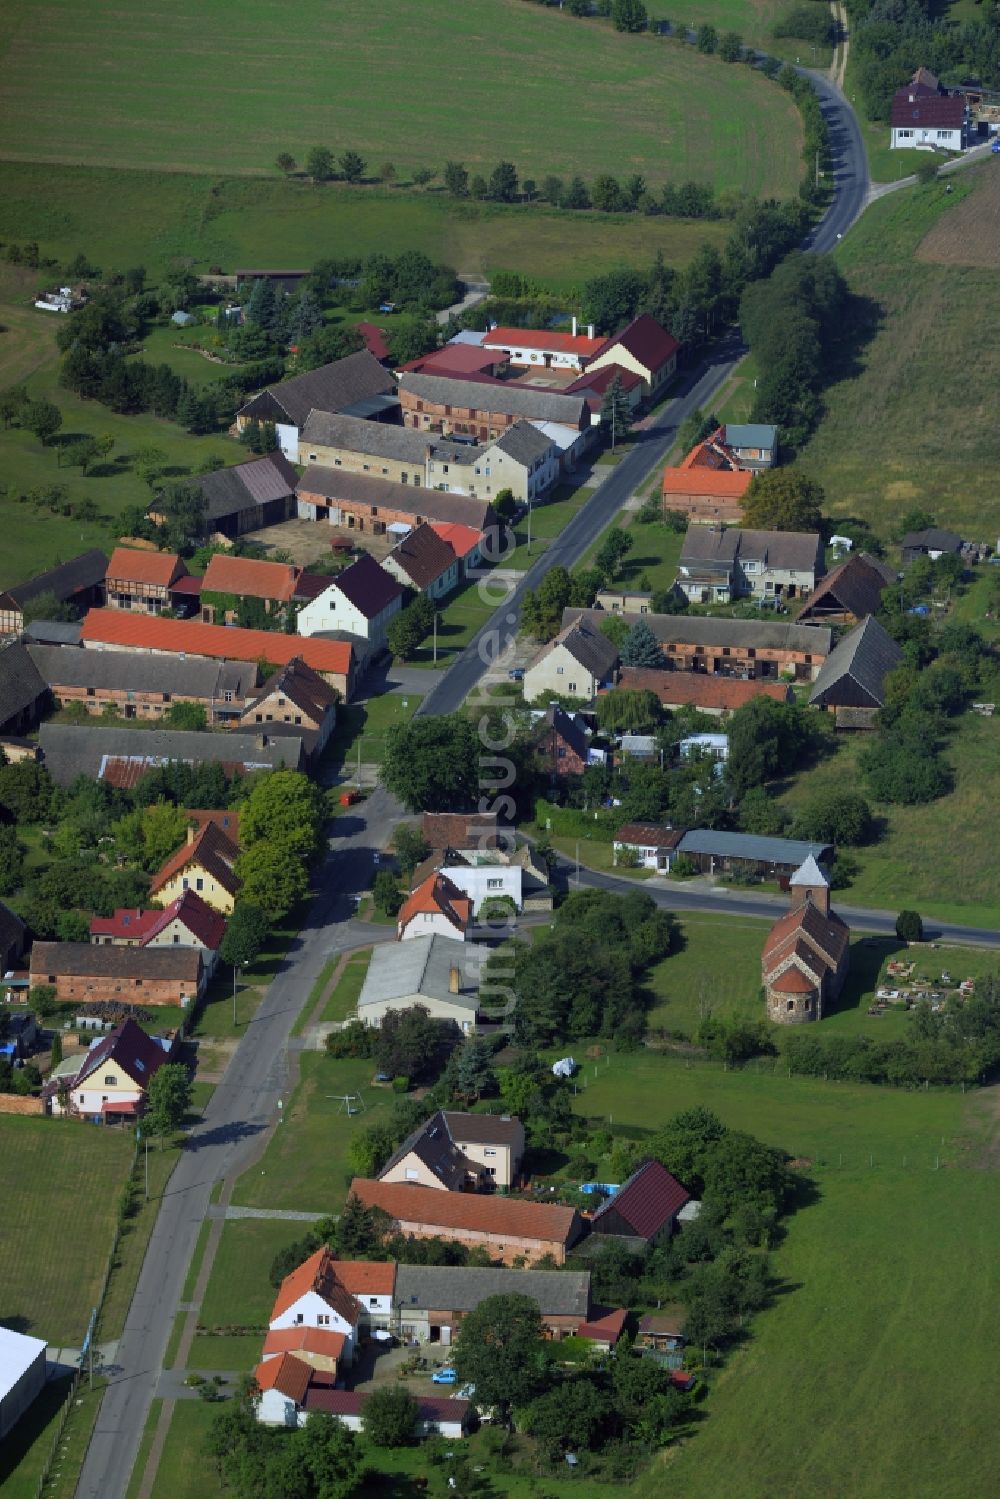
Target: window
{"x": 412, "y": 1174}
{"x": 489, "y": 1152}
{"x": 404, "y": 478}
{"x": 323, "y": 1320}
{"x": 338, "y": 463}
{"x": 199, "y": 883}
{"x": 943, "y": 135}
{"x": 258, "y": 718}
{"x": 365, "y": 467}
{"x": 166, "y": 697}
{"x": 312, "y": 457}
{"x": 110, "y": 1080}
{"x": 299, "y": 1319}
{"x": 373, "y": 1301}
{"x": 494, "y": 884}
{"x": 559, "y": 671}
{"x": 384, "y": 472}
{"x": 91, "y": 692}
{"x": 140, "y": 1066}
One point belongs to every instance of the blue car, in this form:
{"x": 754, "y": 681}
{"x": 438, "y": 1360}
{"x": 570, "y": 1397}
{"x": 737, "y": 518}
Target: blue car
{"x": 444, "y": 1376}
{"x": 995, "y": 148}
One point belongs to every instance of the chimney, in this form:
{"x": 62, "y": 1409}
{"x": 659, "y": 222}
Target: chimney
{"x": 574, "y": 325}
{"x": 191, "y": 833}
{"x": 590, "y": 330}
{"x": 454, "y": 980}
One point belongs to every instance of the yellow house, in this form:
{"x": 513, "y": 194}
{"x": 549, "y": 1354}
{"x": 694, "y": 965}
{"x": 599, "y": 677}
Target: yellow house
{"x": 203, "y": 864}
{"x": 644, "y": 348}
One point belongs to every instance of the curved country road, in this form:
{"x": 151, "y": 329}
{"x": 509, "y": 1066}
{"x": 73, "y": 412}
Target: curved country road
{"x": 245, "y": 1102}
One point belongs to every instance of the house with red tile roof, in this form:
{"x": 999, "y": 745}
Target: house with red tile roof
{"x": 543, "y": 348}
{"x": 645, "y": 348}
{"x": 110, "y": 1082}
{"x": 707, "y": 487}
{"x": 650, "y": 845}
{"x": 187, "y": 922}
{"x": 507, "y": 1227}
{"x": 465, "y": 542}
{"x": 925, "y": 117}
{"x": 806, "y": 952}
{"x": 436, "y": 1415}
{"x": 316, "y": 1346}
{"x": 314, "y": 1296}
{"x": 436, "y": 907}
{"x": 203, "y": 864}
{"x": 126, "y": 928}
{"x": 233, "y": 578}
{"x": 143, "y": 582}
{"x": 333, "y": 659}
{"x": 604, "y": 1330}
{"x": 283, "y": 1382}
{"x": 709, "y": 694}
{"x": 644, "y": 1209}
{"x": 460, "y": 361}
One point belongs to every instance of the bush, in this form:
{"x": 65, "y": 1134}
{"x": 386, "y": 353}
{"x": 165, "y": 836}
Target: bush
{"x": 909, "y": 927}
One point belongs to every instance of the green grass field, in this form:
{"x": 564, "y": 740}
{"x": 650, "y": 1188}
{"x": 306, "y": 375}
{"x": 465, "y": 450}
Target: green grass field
{"x": 364, "y": 726}
{"x": 48, "y": 1284}
{"x": 510, "y": 67}
{"x": 343, "y": 1001}
{"x": 909, "y": 421}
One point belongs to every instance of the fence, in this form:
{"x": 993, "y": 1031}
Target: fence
{"x": 69, "y": 1405}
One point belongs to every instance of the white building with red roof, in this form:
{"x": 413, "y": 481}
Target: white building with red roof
{"x": 111, "y": 1080}
{"x": 644, "y": 348}
{"x": 542, "y": 347}
{"x": 925, "y": 117}
{"x": 314, "y": 1296}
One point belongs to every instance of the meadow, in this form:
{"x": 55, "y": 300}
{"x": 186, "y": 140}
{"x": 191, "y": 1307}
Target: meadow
{"x": 609, "y": 102}
{"x": 50, "y": 1284}
{"x": 909, "y": 419}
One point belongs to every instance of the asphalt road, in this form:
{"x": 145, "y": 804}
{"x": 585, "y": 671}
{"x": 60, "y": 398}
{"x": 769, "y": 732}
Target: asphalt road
{"x": 246, "y": 1101}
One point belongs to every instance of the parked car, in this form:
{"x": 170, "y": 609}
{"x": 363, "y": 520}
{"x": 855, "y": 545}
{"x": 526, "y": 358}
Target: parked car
{"x": 516, "y": 674}
{"x": 444, "y": 1376}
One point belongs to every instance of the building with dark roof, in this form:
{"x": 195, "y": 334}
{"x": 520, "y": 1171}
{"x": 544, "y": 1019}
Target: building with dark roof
{"x": 425, "y": 562}
{"x": 474, "y": 830}
{"x": 645, "y": 348}
{"x": 457, "y": 1152}
{"x": 79, "y": 582}
{"x": 648, "y": 844}
{"x": 23, "y": 690}
{"x": 742, "y": 648}
{"x": 430, "y": 1301}
{"x": 359, "y": 603}
{"x": 139, "y": 686}
{"x": 297, "y": 700}
{"x": 932, "y": 542}
{"x": 357, "y": 385}
{"x": 246, "y": 496}
{"x": 432, "y": 403}
{"x": 109, "y": 1085}
{"x": 432, "y": 971}
{"x": 120, "y": 755}
{"x": 85, "y": 973}
{"x": 204, "y": 863}
{"x": 853, "y": 676}
{"x": 750, "y": 853}
{"x": 52, "y": 632}
{"x": 718, "y": 565}
{"x": 849, "y": 593}
{"x": 13, "y": 935}
{"x": 577, "y": 663}
{"x": 561, "y": 743}
{"x": 924, "y": 116}
{"x": 644, "y": 1209}
{"x": 361, "y": 502}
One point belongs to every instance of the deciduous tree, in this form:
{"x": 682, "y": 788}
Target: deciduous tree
{"x": 390, "y": 1417}
{"x": 432, "y": 764}
{"x": 500, "y": 1351}
{"x": 168, "y": 1098}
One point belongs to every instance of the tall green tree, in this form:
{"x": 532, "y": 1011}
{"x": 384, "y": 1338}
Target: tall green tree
{"x": 629, "y": 15}
{"x": 500, "y": 1351}
{"x": 641, "y": 648}
{"x": 168, "y": 1098}
{"x": 433, "y": 763}
{"x": 319, "y": 164}
{"x": 284, "y": 809}
{"x": 411, "y": 848}
{"x": 245, "y": 935}
{"x": 503, "y": 182}
{"x": 352, "y": 166}
{"x": 456, "y": 179}
{"x": 390, "y": 1417}
{"x": 271, "y": 878}
{"x": 43, "y": 418}
{"x": 616, "y": 414}
{"x": 782, "y": 499}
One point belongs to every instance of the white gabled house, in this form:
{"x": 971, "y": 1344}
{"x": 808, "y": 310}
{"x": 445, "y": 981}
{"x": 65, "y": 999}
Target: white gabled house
{"x": 313, "y": 1296}
{"x": 361, "y": 601}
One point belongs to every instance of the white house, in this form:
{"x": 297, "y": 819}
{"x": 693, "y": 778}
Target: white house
{"x": 575, "y": 664}
{"x": 436, "y": 908}
{"x": 361, "y": 601}
{"x": 313, "y": 1296}
{"x": 189, "y": 922}
{"x": 543, "y": 348}
{"x": 647, "y": 845}
{"x": 430, "y": 971}
{"x": 482, "y": 881}
{"x": 110, "y": 1082}
{"x": 22, "y": 1375}
{"x": 716, "y": 745}
{"x": 424, "y": 561}
{"x": 925, "y": 118}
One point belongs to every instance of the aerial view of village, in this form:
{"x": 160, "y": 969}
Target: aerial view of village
{"x": 499, "y": 749}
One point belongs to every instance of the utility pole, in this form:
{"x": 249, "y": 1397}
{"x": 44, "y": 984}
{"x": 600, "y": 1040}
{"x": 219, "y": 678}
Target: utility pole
{"x": 359, "y": 763}
{"x": 578, "y": 861}
{"x": 529, "y": 525}
{"x": 817, "y": 169}
{"x": 435, "y": 637}
{"x": 236, "y": 970}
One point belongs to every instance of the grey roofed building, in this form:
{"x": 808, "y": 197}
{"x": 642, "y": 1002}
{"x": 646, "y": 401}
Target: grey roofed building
{"x": 588, "y": 645}
{"x": 82, "y": 574}
{"x": 693, "y": 629}
{"x": 431, "y": 1143}
{"x": 70, "y": 750}
{"x": 797, "y": 551}
{"x": 852, "y": 589}
{"x": 421, "y": 970}
{"x": 506, "y": 398}
{"x": 22, "y": 688}
{"x": 460, "y": 1288}
{"x": 408, "y": 499}
{"x": 332, "y": 387}
{"x": 751, "y": 435}
{"x": 854, "y": 673}
{"x": 923, "y": 543}
{"x": 524, "y": 443}
{"x": 53, "y": 632}
{"x": 127, "y": 671}
{"x": 751, "y": 848}
{"x": 262, "y": 482}
{"x": 383, "y": 440}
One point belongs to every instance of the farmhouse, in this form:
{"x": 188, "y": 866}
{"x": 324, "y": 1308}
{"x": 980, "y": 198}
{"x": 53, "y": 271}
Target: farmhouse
{"x": 484, "y": 411}
{"x": 186, "y": 922}
{"x": 754, "y": 445}
{"x": 317, "y": 1347}
{"x": 22, "y": 1375}
{"x": 454, "y": 1152}
{"x": 925, "y": 117}
{"x": 806, "y": 952}
{"x": 23, "y": 690}
{"x": 79, "y": 583}
{"x": 144, "y": 687}
{"x": 431, "y": 1300}
{"x": 466, "y": 542}
{"x": 362, "y": 503}
{"x": 648, "y": 845}
{"x": 435, "y": 907}
{"x": 361, "y": 601}
{"x": 121, "y": 756}
{"x": 145, "y": 582}
{"x": 480, "y": 876}
{"x": 741, "y": 648}
{"x": 298, "y": 700}
{"x": 276, "y": 584}
{"x": 543, "y": 348}
{"x": 332, "y": 659}
{"x": 506, "y": 1227}
{"x": 577, "y": 663}
{"x": 750, "y": 854}
{"x": 718, "y": 565}
{"x": 431, "y": 971}
{"x": 110, "y": 1083}
{"x": 203, "y": 864}
{"x": 424, "y": 562}
{"x": 849, "y": 593}
{"x": 713, "y": 695}
{"x": 561, "y": 743}
{"x": 852, "y": 681}
{"x": 644, "y": 1210}
{"x": 132, "y": 975}
{"x": 292, "y": 1405}
{"x": 357, "y": 385}
{"x": 313, "y": 1296}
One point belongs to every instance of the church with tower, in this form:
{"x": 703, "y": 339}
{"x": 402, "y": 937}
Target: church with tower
{"x": 806, "y": 952}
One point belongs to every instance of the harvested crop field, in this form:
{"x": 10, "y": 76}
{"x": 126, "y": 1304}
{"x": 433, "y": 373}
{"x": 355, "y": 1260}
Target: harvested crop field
{"x": 970, "y": 234}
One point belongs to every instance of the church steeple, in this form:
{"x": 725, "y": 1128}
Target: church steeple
{"x": 809, "y": 883}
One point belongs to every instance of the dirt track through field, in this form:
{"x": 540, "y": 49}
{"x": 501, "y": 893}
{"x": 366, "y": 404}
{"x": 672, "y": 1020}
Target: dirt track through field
{"x": 969, "y": 234}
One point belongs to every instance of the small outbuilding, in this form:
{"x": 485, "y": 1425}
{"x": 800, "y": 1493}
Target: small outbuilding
{"x": 22, "y": 1375}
